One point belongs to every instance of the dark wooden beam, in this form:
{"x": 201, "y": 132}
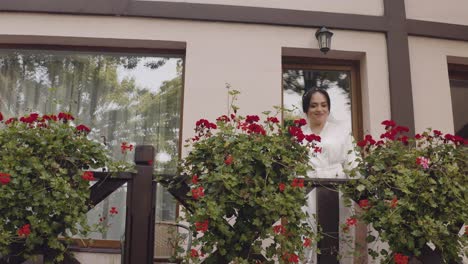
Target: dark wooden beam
{"x": 256, "y": 15}
{"x": 202, "y": 12}
{"x": 437, "y": 30}
{"x": 107, "y": 183}
{"x": 401, "y": 95}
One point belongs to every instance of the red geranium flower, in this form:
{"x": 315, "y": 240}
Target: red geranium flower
{"x": 88, "y": 176}
{"x": 272, "y": 119}
{"x": 293, "y": 258}
{"x": 279, "y": 229}
{"x": 10, "y": 120}
{"x": 83, "y": 128}
{"x": 113, "y": 211}
{"x": 195, "y": 179}
{"x": 300, "y": 122}
{"x": 281, "y": 186}
{"x": 400, "y": 259}
{"x": 362, "y": 143}
{"x": 394, "y": 202}
{"x": 307, "y": 242}
{"x": 1, "y": 116}
{"x": 256, "y": 129}
{"x": 5, "y": 178}
{"x": 388, "y": 123}
{"x": 223, "y": 118}
{"x": 298, "y": 183}
{"x": 202, "y": 226}
{"x": 24, "y": 231}
{"x": 228, "y": 160}
{"x": 198, "y": 193}
{"x": 364, "y": 204}
{"x": 252, "y": 119}
{"x": 351, "y": 221}
{"x": 312, "y": 137}
{"x": 125, "y": 146}
{"x": 65, "y": 116}
{"x": 194, "y": 253}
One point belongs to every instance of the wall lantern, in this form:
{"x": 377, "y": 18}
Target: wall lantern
{"x": 323, "y": 36}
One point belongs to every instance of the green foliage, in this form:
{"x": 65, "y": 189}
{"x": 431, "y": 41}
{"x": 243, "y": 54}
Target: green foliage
{"x": 47, "y": 188}
{"x": 237, "y": 169}
{"x": 414, "y": 191}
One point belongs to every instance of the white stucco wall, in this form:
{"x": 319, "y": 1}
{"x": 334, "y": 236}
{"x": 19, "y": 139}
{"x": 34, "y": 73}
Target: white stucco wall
{"x": 246, "y": 56}
{"x": 447, "y": 11}
{"x": 363, "y": 7}
{"x": 429, "y": 77}
{"x": 97, "y": 258}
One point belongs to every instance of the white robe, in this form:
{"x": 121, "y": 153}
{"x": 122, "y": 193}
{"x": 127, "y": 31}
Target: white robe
{"x": 336, "y": 142}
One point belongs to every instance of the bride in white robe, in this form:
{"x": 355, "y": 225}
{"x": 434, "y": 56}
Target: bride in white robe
{"x": 331, "y": 162}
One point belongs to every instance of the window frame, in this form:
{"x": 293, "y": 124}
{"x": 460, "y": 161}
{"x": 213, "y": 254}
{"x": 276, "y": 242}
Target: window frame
{"x": 301, "y": 63}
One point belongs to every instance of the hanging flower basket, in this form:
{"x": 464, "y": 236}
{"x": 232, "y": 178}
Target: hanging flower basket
{"x": 414, "y": 192}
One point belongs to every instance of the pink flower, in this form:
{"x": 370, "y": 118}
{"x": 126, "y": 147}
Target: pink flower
{"x": 423, "y": 161}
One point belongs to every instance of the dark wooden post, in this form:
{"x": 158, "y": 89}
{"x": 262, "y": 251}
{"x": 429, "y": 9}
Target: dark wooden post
{"x": 328, "y": 217}
{"x": 139, "y": 228}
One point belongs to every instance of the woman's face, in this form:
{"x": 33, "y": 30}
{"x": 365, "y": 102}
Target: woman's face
{"x": 318, "y": 109}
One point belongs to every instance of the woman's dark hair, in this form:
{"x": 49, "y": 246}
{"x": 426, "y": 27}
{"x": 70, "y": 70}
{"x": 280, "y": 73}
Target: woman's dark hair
{"x": 306, "y": 98}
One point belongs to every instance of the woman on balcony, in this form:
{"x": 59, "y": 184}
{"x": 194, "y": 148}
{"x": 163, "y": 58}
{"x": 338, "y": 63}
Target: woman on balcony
{"x": 335, "y": 154}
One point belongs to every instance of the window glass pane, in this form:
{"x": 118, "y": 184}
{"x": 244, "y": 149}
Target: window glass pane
{"x": 459, "y": 93}
{"x": 336, "y": 83}
{"x": 134, "y": 98}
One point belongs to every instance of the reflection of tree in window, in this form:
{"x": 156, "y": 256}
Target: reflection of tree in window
{"x": 337, "y": 83}
{"x": 92, "y": 88}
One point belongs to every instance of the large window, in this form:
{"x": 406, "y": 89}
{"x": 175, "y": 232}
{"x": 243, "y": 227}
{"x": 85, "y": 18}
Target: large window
{"x": 131, "y": 97}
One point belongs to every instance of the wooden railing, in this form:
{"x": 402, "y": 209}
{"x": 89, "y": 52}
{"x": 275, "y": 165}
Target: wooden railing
{"x": 140, "y": 214}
